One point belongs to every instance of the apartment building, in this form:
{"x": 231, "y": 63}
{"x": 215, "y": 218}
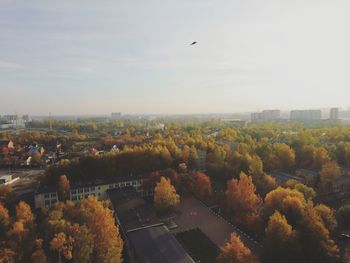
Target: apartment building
{"x": 305, "y": 115}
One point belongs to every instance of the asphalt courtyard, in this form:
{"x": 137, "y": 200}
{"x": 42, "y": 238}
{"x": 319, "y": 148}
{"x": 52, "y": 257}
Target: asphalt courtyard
{"x": 195, "y": 214}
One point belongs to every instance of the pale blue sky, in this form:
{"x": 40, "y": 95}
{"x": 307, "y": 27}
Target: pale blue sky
{"x": 95, "y": 57}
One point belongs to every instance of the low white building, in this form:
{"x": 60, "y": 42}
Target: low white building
{"x": 46, "y": 197}
{"x": 4, "y": 179}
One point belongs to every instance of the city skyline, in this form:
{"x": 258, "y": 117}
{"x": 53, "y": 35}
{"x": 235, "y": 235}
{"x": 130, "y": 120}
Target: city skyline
{"x": 63, "y": 58}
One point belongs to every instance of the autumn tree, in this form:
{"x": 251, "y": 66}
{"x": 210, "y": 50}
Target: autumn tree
{"x": 285, "y": 155}
{"x": 63, "y": 245}
{"x": 281, "y": 242}
{"x": 329, "y": 174}
{"x": 200, "y": 185}
{"x": 108, "y": 244}
{"x": 17, "y": 235}
{"x": 321, "y": 157}
{"x": 347, "y": 154}
{"x": 234, "y": 251}
{"x": 242, "y": 202}
{"x": 83, "y": 244}
{"x": 328, "y": 216}
{"x": 7, "y": 196}
{"x": 264, "y": 183}
{"x": 308, "y": 192}
{"x": 165, "y": 196}
{"x": 4, "y": 219}
{"x": 39, "y": 255}
{"x": 310, "y": 223}
{"x": 343, "y": 215}
{"x": 63, "y": 188}
{"x": 24, "y": 213}
{"x": 315, "y": 239}
{"x": 7, "y": 255}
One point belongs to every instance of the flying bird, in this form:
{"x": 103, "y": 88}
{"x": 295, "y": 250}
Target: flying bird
{"x": 193, "y": 43}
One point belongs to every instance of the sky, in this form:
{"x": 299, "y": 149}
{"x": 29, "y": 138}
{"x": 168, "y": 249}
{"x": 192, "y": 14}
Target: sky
{"x": 135, "y": 57}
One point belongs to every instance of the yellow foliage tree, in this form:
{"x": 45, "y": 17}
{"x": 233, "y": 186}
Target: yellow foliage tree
{"x": 281, "y": 244}
{"x": 64, "y": 188}
{"x": 235, "y": 251}
{"x": 329, "y": 174}
{"x": 63, "y": 245}
{"x": 108, "y": 244}
{"x": 241, "y": 199}
{"x": 24, "y": 213}
{"x": 165, "y": 196}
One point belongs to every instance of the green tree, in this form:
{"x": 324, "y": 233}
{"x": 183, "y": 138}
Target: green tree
{"x": 343, "y": 215}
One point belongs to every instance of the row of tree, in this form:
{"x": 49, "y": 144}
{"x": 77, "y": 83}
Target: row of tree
{"x": 69, "y": 232}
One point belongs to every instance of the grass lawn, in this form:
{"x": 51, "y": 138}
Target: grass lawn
{"x": 198, "y": 245}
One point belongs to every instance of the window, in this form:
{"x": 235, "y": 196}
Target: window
{"x": 99, "y": 194}
{"x": 116, "y": 185}
{"x": 128, "y": 184}
{"x": 92, "y": 188}
{"x": 74, "y": 191}
{"x": 134, "y": 183}
{"x": 80, "y": 191}
{"x": 46, "y": 196}
{"x": 74, "y": 198}
{"x": 98, "y": 188}
{"x": 122, "y": 184}
{"x": 110, "y": 186}
{"x": 86, "y": 189}
{"x": 47, "y": 202}
{"x": 53, "y": 195}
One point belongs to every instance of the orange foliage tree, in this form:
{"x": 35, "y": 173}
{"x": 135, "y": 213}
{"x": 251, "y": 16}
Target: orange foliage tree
{"x": 200, "y": 185}
{"x": 63, "y": 188}
{"x": 242, "y": 202}
{"x": 24, "y": 213}
{"x": 281, "y": 244}
{"x": 108, "y": 244}
{"x": 235, "y": 251}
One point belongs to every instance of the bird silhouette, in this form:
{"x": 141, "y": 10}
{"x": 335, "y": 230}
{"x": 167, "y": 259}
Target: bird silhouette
{"x": 193, "y": 43}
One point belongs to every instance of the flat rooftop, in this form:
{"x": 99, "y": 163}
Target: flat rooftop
{"x": 132, "y": 210}
{"x": 156, "y": 245}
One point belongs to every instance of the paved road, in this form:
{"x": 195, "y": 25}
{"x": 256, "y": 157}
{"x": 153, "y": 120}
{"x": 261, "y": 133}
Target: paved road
{"x": 195, "y": 214}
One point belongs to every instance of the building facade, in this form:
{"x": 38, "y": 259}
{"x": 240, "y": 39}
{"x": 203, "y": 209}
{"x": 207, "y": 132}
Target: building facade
{"x": 47, "y": 198}
{"x": 266, "y": 115}
{"x": 304, "y": 115}
{"x": 334, "y": 114}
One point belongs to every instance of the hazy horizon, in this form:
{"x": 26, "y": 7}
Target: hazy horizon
{"x": 84, "y": 57}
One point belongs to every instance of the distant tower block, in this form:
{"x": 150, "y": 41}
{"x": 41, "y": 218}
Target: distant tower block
{"x": 116, "y": 115}
{"x": 334, "y": 114}
{"x": 50, "y": 121}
